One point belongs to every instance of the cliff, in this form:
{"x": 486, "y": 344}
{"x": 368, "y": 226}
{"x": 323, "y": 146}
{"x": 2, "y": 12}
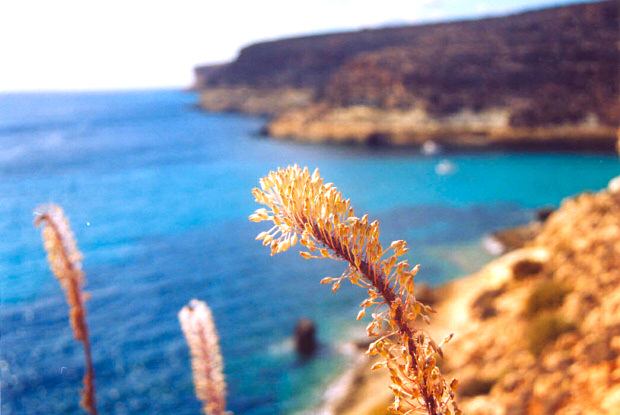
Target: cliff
{"x": 540, "y": 76}
{"x": 538, "y": 330}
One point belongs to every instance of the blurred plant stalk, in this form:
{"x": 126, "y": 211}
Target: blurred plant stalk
{"x": 207, "y": 364}
{"x": 65, "y": 262}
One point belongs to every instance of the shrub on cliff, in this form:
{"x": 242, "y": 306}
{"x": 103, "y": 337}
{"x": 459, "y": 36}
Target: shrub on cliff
{"x": 545, "y": 330}
{"x": 483, "y": 306}
{"x": 548, "y": 295}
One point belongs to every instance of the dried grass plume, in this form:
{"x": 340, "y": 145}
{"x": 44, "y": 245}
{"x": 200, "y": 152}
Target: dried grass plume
{"x": 207, "y": 364}
{"x": 65, "y": 262}
{"x": 303, "y": 208}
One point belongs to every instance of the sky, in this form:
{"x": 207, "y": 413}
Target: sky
{"x": 130, "y": 44}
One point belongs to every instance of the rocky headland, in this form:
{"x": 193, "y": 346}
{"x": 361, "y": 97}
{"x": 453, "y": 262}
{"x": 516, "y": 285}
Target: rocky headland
{"x": 537, "y": 331}
{"x": 539, "y": 79}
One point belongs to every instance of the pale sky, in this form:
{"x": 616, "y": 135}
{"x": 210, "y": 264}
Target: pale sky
{"x": 121, "y": 44}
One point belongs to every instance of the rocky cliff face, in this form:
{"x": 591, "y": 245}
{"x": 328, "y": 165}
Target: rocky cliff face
{"x": 551, "y": 72}
{"x": 538, "y": 331}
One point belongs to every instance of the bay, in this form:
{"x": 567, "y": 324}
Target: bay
{"x": 158, "y": 194}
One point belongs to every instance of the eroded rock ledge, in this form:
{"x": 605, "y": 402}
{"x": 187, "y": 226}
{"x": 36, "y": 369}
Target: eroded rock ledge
{"x": 254, "y": 101}
{"x": 464, "y": 129}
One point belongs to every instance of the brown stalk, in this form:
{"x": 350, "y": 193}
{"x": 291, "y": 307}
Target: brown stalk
{"x": 379, "y": 280}
{"x": 64, "y": 259}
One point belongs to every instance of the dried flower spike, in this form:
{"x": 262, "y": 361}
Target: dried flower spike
{"x": 64, "y": 259}
{"x": 207, "y": 365}
{"x": 304, "y": 208}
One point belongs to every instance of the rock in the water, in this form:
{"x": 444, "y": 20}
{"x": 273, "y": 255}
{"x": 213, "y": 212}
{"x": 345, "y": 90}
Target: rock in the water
{"x": 543, "y": 214}
{"x": 305, "y": 337}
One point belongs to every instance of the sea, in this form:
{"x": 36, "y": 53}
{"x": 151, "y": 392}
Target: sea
{"x": 158, "y": 194}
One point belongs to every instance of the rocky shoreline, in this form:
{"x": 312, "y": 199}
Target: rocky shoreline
{"x": 537, "y": 331}
{"x": 290, "y": 117}
{"x": 462, "y": 130}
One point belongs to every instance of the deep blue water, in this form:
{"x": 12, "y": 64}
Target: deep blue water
{"x": 158, "y": 195}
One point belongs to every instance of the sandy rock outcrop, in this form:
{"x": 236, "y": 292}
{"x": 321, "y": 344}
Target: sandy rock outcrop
{"x": 552, "y": 345}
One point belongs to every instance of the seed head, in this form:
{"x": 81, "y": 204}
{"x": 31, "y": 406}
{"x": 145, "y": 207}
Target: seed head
{"x": 300, "y": 205}
{"x": 207, "y": 365}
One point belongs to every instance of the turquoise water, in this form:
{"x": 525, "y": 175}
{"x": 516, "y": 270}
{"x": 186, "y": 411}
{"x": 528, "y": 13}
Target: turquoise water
{"x": 158, "y": 195}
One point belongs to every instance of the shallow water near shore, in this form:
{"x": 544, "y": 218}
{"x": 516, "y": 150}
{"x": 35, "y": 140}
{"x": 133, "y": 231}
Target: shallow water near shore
{"x": 158, "y": 195}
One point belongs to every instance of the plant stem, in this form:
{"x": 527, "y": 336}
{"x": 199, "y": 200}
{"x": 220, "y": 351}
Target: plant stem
{"x": 379, "y": 280}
